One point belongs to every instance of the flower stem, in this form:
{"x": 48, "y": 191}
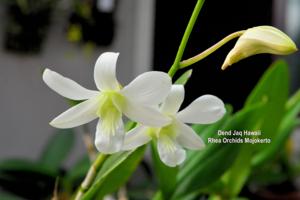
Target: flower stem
{"x": 185, "y": 38}
{"x": 210, "y": 50}
{"x": 90, "y": 176}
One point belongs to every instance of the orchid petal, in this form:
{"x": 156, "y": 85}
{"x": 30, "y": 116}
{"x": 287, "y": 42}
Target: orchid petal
{"x": 170, "y": 152}
{"x": 105, "y": 71}
{"x": 136, "y": 138}
{"x": 77, "y": 115}
{"x": 146, "y": 115}
{"x": 187, "y": 137}
{"x": 204, "y": 110}
{"x": 149, "y": 88}
{"x": 174, "y": 100}
{"x": 109, "y": 142}
{"x": 67, "y": 87}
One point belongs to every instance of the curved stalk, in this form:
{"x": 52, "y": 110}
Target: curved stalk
{"x": 210, "y": 50}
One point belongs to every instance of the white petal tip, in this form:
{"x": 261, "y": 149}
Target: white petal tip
{"x": 219, "y": 112}
{"x": 46, "y": 73}
{"x": 201, "y": 145}
{"x": 206, "y": 109}
{"x": 59, "y": 124}
{"x": 197, "y": 144}
{"x": 105, "y": 71}
{"x": 107, "y": 149}
{"x": 54, "y": 124}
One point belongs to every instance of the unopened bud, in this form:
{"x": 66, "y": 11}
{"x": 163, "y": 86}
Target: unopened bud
{"x": 257, "y": 40}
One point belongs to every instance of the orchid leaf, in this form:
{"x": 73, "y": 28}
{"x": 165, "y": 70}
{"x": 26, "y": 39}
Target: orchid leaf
{"x": 27, "y": 179}
{"x": 114, "y": 173}
{"x": 183, "y": 79}
{"x": 9, "y": 196}
{"x": 209, "y": 164}
{"x": 273, "y": 89}
{"x": 288, "y": 123}
{"x": 57, "y": 149}
{"x": 25, "y": 165}
{"x": 266, "y": 93}
{"x": 166, "y": 176}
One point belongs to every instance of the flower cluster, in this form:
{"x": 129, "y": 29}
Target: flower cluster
{"x": 150, "y": 100}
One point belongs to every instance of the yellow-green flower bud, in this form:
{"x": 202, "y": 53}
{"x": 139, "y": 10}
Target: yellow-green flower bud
{"x": 260, "y": 39}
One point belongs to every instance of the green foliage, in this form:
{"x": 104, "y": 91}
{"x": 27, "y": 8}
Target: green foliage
{"x": 35, "y": 179}
{"x": 27, "y": 179}
{"x": 8, "y": 196}
{"x": 183, "y": 79}
{"x": 165, "y": 175}
{"x": 205, "y": 167}
{"x": 275, "y": 80}
{"x": 225, "y": 168}
{"x": 25, "y": 165}
{"x": 57, "y": 149}
{"x": 267, "y": 119}
{"x": 114, "y": 173}
{"x": 288, "y": 123}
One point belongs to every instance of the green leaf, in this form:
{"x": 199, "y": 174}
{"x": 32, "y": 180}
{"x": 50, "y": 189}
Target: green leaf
{"x": 293, "y": 101}
{"x": 8, "y": 196}
{"x": 183, "y": 79}
{"x": 130, "y": 125}
{"x": 266, "y": 92}
{"x": 288, "y": 123}
{"x": 272, "y": 88}
{"x": 114, "y": 173}
{"x": 72, "y": 102}
{"x": 166, "y": 176}
{"x": 57, "y": 149}
{"x": 25, "y": 165}
{"x": 209, "y": 164}
{"x": 238, "y": 174}
{"x": 158, "y": 196}
{"x": 24, "y": 178}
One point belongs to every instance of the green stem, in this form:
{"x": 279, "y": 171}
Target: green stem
{"x": 90, "y": 176}
{"x": 210, "y": 50}
{"x": 185, "y": 38}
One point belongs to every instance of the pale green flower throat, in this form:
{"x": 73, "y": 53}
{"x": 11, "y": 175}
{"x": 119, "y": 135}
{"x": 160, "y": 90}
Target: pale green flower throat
{"x": 109, "y": 110}
{"x": 168, "y": 130}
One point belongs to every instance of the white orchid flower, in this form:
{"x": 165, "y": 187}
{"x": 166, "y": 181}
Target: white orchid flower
{"x": 174, "y": 136}
{"x": 138, "y": 101}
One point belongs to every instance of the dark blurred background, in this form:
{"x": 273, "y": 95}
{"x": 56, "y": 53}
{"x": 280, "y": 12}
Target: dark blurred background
{"x": 217, "y": 20}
